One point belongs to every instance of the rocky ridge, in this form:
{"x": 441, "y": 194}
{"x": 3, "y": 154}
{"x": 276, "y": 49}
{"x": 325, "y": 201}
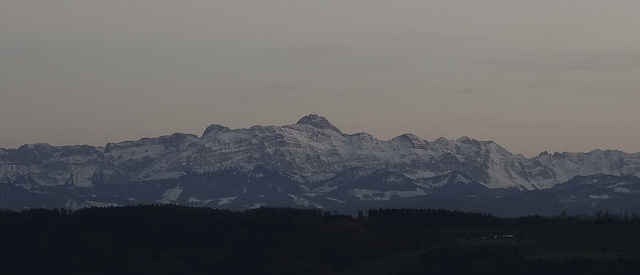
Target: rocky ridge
{"x": 307, "y": 153}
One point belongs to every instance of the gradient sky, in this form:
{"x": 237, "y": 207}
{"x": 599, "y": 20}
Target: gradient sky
{"x": 530, "y": 75}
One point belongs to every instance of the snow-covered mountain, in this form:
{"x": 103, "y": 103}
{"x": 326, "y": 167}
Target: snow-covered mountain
{"x": 312, "y": 156}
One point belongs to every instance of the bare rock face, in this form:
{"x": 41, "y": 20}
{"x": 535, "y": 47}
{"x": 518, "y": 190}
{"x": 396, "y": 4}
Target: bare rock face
{"x": 319, "y": 122}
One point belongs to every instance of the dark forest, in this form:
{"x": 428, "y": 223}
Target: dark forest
{"x": 171, "y": 239}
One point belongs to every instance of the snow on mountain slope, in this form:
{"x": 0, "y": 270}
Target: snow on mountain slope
{"x": 308, "y": 151}
{"x": 48, "y": 165}
{"x": 548, "y": 170}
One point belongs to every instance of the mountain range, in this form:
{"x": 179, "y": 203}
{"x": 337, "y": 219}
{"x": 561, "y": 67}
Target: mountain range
{"x": 313, "y": 164}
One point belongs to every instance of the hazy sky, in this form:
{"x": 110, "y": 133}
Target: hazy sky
{"x": 530, "y": 75}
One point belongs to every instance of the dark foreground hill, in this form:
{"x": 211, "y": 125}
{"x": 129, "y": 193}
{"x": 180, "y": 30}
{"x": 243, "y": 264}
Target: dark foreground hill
{"x": 184, "y": 240}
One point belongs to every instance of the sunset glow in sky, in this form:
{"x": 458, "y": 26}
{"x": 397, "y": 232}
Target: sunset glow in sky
{"x": 529, "y": 75}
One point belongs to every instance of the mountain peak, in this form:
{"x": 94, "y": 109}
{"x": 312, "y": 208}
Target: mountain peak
{"x": 317, "y": 121}
{"x": 215, "y": 128}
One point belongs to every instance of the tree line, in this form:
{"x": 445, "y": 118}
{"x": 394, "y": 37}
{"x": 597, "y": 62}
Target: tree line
{"x": 173, "y": 239}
